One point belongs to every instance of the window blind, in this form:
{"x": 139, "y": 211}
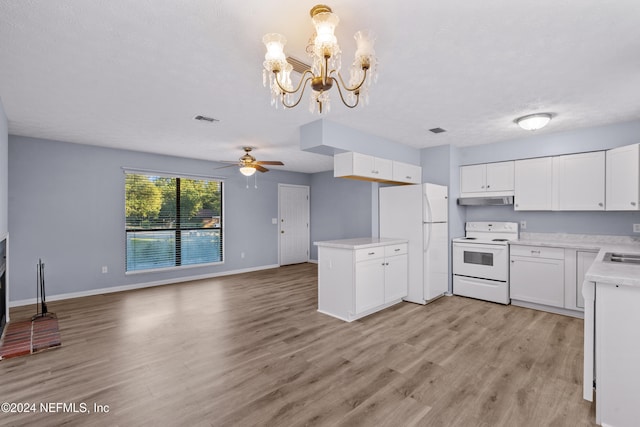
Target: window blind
{"x": 172, "y": 221}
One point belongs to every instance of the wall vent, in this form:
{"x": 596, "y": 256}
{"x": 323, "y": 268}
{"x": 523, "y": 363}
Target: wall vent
{"x": 205, "y": 119}
{"x": 437, "y": 130}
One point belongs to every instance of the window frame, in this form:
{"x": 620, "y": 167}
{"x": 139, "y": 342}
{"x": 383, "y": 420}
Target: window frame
{"x": 178, "y": 229}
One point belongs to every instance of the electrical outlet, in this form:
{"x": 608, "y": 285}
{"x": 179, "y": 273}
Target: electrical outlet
{"x": 636, "y": 228}
{"x": 241, "y": 254}
{"x": 105, "y": 269}
{"x": 274, "y": 221}
{"x": 523, "y": 225}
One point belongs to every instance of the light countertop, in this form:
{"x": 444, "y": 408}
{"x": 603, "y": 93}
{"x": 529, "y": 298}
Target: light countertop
{"x": 360, "y": 242}
{"x": 573, "y": 241}
{"x": 612, "y": 272}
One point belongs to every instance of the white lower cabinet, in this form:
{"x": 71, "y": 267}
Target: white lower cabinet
{"x": 537, "y": 275}
{"x": 369, "y": 284}
{"x": 549, "y": 278}
{"x": 355, "y": 282}
{"x": 396, "y": 276}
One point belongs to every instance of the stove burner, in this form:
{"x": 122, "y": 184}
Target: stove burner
{"x": 500, "y": 240}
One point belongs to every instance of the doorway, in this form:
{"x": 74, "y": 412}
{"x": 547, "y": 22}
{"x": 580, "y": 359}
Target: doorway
{"x": 293, "y": 223}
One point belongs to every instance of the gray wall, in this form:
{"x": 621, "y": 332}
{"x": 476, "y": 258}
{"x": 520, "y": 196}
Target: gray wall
{"x": 340, "y": 209}
{"x": 4, "y": 173}
{"x": 582, "y": 140}
{"x": 67, "y": 207}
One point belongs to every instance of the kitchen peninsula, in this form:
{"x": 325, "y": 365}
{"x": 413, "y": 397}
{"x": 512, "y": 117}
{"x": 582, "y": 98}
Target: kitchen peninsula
{"x": 358, "y": 277}
{"x": 611, "y": 345}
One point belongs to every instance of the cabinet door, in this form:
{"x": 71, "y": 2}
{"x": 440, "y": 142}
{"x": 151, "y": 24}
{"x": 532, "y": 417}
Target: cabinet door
{"x": 396, "y": 279}
{"x": 369, "y": 292}
{"x": 364, "y": 165}
{"x": 580, "y": 182}
{"x": 472, "y": 179}
{"x": 584, "y": 261}
{"x": 537, "y": 280}
{"x": 623, "y": 178}
{"x": 382, "y": 169}
{"x": 499, "y": 176}
{"x": 404, "y": 172}
{"x": 533, "y": 184}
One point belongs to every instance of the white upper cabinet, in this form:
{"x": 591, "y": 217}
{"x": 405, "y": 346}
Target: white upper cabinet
{"x": 487, "y": 179}
{"x": 472, "y": 179}
{"x": 623, "y": 178}
{"x": 533, "y": 179}
{"x": 370, "y": 168}
{"x": 579, "y": 183}
{"x": 404, "y": 172}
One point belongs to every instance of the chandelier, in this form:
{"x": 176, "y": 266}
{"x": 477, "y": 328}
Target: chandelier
{"x": 324, "y": 72}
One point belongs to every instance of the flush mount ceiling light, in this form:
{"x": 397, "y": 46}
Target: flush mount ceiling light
{"x": 325, "y": 52}
{"x": 534, "y": 121}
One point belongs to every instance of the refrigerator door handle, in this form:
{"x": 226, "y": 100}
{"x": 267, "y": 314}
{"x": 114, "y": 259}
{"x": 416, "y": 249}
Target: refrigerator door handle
{"x": 427, "y": 229}
{"x": 427, "y": 206}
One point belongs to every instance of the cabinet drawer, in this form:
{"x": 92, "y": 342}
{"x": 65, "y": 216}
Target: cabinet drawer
{"x": 392, "y": 250}
{"x": 537, "y": 252}
{"x": 369, "y": 253}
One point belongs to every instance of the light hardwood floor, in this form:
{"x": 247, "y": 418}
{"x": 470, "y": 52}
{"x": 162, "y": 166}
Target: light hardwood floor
{"x": 251, "y": 349}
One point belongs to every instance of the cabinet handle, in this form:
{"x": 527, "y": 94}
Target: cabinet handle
{"x": 397, "y": 250}
{"x": 488, "y": 186}
{"x": 517, "y": 205}
{"x": 600, "y": 204}
{"x": 535, "y": 252}
{"x": 633, "y": 203}
{"x": 371, "y": 253}
{"x": 482, "y": 186}
{"x": 407, "y": 177}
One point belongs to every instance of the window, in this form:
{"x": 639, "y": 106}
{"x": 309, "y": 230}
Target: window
{"x": 172, "y": 221}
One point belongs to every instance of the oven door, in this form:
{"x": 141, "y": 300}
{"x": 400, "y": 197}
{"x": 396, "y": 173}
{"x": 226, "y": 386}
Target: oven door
{"x": 480, "y": 260}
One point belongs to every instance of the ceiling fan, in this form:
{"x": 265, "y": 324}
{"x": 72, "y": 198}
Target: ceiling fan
{"x": 248, "y": 164}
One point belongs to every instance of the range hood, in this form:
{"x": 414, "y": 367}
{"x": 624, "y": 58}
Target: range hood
{"x": 486, "y": 201}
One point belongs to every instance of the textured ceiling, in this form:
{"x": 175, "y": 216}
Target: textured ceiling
{"x": 133, "y": 74}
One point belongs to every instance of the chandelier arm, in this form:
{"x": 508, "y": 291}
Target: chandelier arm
{"x": 301, "y": 93}
{"x": 350, "y": 89}
{"x": 299, "y": 83}
{"x": 344, "y": 101}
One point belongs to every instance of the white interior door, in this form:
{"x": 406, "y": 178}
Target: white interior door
{"x": 293, "y": 207}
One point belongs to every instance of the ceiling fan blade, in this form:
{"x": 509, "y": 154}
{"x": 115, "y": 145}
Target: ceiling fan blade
{"x": 227, "y": 166}
{"x": 270, "y": 162}
{"x": 260, "y": 168}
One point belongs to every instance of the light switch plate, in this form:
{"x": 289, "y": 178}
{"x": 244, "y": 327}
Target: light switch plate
{"x": 636, "y": 228}
{"x": 523, "y": 225}
{"x": 274, "y": 221}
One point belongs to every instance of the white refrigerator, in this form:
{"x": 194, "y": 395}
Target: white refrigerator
{"x": 419, "y": 213}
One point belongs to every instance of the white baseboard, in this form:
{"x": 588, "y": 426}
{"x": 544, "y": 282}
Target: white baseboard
{"x": 112, "y": 289}
{"x": 313, "y": 261}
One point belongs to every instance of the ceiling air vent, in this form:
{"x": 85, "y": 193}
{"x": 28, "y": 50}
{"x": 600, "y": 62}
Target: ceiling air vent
{"x": 205, "y": 119}
{"x": 437, "y": 130}
{"x": 298, "y": 66}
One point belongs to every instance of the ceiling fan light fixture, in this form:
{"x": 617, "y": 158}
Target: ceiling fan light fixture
{"x": 534, "y": 121}
{"x": 247, "y": 170}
